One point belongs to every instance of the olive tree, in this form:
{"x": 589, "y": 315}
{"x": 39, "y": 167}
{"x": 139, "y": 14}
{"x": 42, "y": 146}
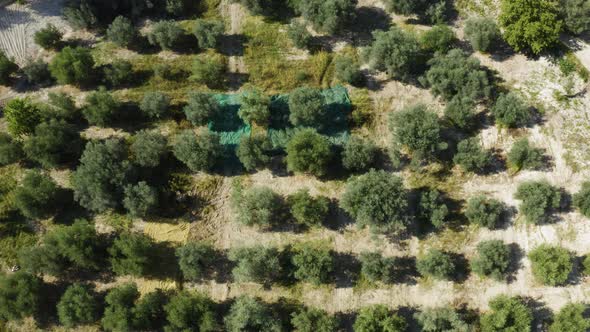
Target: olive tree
{"x": 379, "y": 318}
{"x": 208, "y": 32}
{"x": 431, "y": 11}
{"x": 460, "y": 112}
{"x": 418, "y": 130}
{"x": 140, "y": 199}
{"x": 524, "y": 156}
{"x": 256, "y": 264}
{"x": 571, "y": 317}
{"x": 375, "y": 267}
{"x": 194, "y": 259}
{"x": 73, "y": 66}
{"x": 471, "y": 157}
{"x": 441, "y": 319}
{"x": 359, "y": 154}
{"x": 148, "y": 148}
{"x": 60, "y": 106}
{"x": 431, "y": 208}
{"x": 121, "y": 31}
{"x": 22, "y": 116}
{"x": 53, "y": 143}
{"x": 539, "y": 200}
{"x": 308, "y": 210}
{"x": 307, "y": 107}
{"x": 511, "y": 111}
{"x": 348, "y": 70}
{"x": 7, "y": 68}
{"x": 100, "y": 108}
{"x": 308, "y": 152}
{"x": 250, "y": 314}
{"x": 201, "y": 108}
{"x": 328, "y": 16}
{"x": 209, "y": 70}
{"x": 118, "y": 312}
{"x": 37, "y": 196}
{"x": 149, "y": 311}
{"x": 436, "y": 264}
{"x": 299, "y": 35}
{"x": 395, "y": 52}
{"x": 165, "y": 34}
{"x": 20, "y": 295}
{"x": 199, "y": 152}
{"x": 581, "y": 199}
{"x": 312, "y": 264}
{"x": 493, "y": 259}
{"x": 484, "y": 211}
{"x": 254, "y": 107}
{"x": 482, "y": 32}
{"x": 118, "y": 73}
{"x": 507, "y": 314}
{"x": 438, "y": 39}
{"x": 576, "y": 15}
{"x": 309, "y": 319}
{"x": 10, "y": 150}
{"x": 77, "y": 306}
{"x": 253, "y": 152}
{"x": 377, "y": 199}
{"x": 37, "y": 72}
{"x": 258, "y": 206}
{"x": 551, "y": 265}
{"x": 131, "y": 254}
{"x": 190, "y": 312}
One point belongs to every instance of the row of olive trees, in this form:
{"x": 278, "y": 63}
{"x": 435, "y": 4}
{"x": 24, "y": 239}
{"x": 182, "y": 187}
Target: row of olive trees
{"x": 123, "y": 309}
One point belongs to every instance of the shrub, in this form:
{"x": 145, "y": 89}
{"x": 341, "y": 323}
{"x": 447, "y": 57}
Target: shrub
{"x": 98, "y": 181}
{"x": 118, "y": 73}
{"x": 7, "y": 68}
{"x": 81, "y": 15}
{"x": 20, "y": 295}
{"x": 253, "y": 152}
{"x": 347, "y": 70}
{"x": 194, "y": 259}
{"x": 438, "y": 39}
{"x": 121, "y": 32}
{"x": 460, "y": 112}
{"x": 118, "y": 314}
{"x": 484, "y": 211}
{"x": 376, "y": 199}
{"x": 254, "y": 108}
{"x": 148, "y": 148}
{"x": 10, "y": 150}
{"x": 53, "y": 143}
{"x": 455, "y": 73}
{"x": 523, "y": 156}
{"x": 60, "y": 106}
{"x": 417, "y": 129}
{"x": 539, "y": 199}
{"x": 149, "y": 313}
{"x": 36, "y": 197}
{"x": 22, "y": 116}
{"x": 308, "y": 210}
{"x": 209, "y": 70}
{"x": 306, "y": 107}
{"x": 37, "y": 72}
{"x": 379, "y": 318}
{"x": 432, "y": 208}
{"x": 176, "y": 7}
{"x": 130, "y": 254}
{"x": 64, "y": 249}
{"x": 258, "y": 206}
{"x": 576, "y": 15}
{"x": 100, "y": 107}
{"x": 581, "y": 199}
{"x": 359, "y": 154}
{"x": 165, "y": 34}
{"x": 328, "y": 16}
{"x": 256, "y": 264}
{"x": 48, "y": 37}
{"x": 190, "y": 312}
{"x": 551, "y": 265}
{"x": 530, "y": 26}
{"x": 482, "y": 33}
{"x": 507, "y": 314}
{"x": 299, "y": 35}
{"x": 471, "y": 157}
{"x": 441, "y": 319}
{"x": 436, "y": 264}
{"x": 155, "y": 104}
{"x": 511, "y": 111}
{"x": 73, "y": 66}
{"x": 201, "y": 108}
{"x": 140, "y": 199}
{"x": 316, "y": 320}
{"x": 308, "y": 152}
{"x": 247, "y": 313}
{"x": 374, "y": 267}
{"x": 395, "y": 52}
{"x": 571, "y": 317}
{"x": 493, "y": 259}
{"x": 77, "y": 306}
{"x": 208, "y": 32}
{"x": 312, "y": 264}
{"x": 427, "y": 10}
{"x": 198, "y": 152}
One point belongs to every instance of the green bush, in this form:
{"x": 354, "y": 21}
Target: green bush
{"x": 581, "y": 199}
{"x": 176, "y": 7}
{"x": 37, "y": 196}
{"x": 48, "y": 37}
{"x": 511, "y": 111}
{"x": 77, "y": 306}
{"x": 460, "y": 112}
{"x": 551, "y": 265}
{"x": 436, "y": 264}
{"x": 308, "y": 210}
{"x": 493, "y": 259}
{"x": 438, "y": 39}
{"x": 431, "y": 208}
{"x": 482, "y": 32}
{"x": 306, "y": 107}
{"x": 131, "y": 254}
{"x": 523, "y": 156}
{"x": 118, "y": 73}
{"x": 571, "y": 317}
{"x": 254, "y": 108}
{"x": 7, "y": 68}
{"x": 347, "y": 70}
{"x": 375, "y": 267}
{"x": 312, "y": 264}
{"x": 253, "y": 152}
{"x": 22, "y": 116}
{"x": 256, "y": 264}
{"x": 530, "y": 26}
{"x": 165, "y": 34}
{"x": 201, "y": 108}
{"x": 316, "y": 320}
{"x": 456, "y": 73}
{"x": 209, "y": 70}
{"x": 81, "y": 15}
{"x": 20, "y": 295}
{"x": 53, "y": 143}
{"x": 118, "y": 312}
{"x": 208, "y": 32}
{"x": 328, "y": 16}
{"x": 359, "y": 154}
{"x": 10, "y": 150}
{"x": 539, "y": 199}
{"x": 60, "y": 106}
{"x": 471, "y": 157}
{"x": 576, "y": 15}
{"x": 299, "y": 35}
{"x": 140, "y": 199}
{"x": 198, "y": 152}
{"x": 194, "y": 259}
{"x": 418, "y": 130}
{"x": 100, "y": 108}
{"x": 484, "y": 211}
{"x": 379, "y": 318}
{"x": 121, "y": 32}
{"x": 149, "y": 313}
{"x": 507, "y": 314}
{"x": 377, "y": 199}
{"x": 148, "y": 148}
{"x": 395, "y": 52}
{"x": 37, "y": 72}
{"x": 441, "y": 319}
{"x": 190, "y": 312}
{"x": 250, "y": 314}
{"x": 308, "y": 152}
{"x": 431, "y": 11}
{"x": 258, "y": 206}
{"x": 73, "y": 66}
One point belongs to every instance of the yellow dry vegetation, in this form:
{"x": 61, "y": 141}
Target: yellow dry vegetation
{"x": 166, "y": 232}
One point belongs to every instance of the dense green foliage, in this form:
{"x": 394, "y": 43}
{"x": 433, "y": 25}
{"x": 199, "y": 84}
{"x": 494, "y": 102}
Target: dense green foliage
{"x": 60, "y": 106}
{"x": 328, "y": 16}
{"x": 10, "y": 150}
{"x": 375, "y": 267}
{"x": 77, "y": 306}
{"x": 201, "y": 108}
{"x": 551, "y": 265}
{"x": 460, "y": 112}
{"x": 482, "y": 33}
{"x": 436, "y": 264}
{"x": 254, "y": 108}
{"x": 256, "y": 264}
{"x": 524, "y": 156}
{"x": 249, "y": 314}
{"x": 308, "y": 152}
{"x": 118, "y": 315}
{"x": 484, "y": 211}
{"x": 431, "y": 208}
{"x": 118, "y": 73}
{"x": 149, "y": 313}
{"x": 20, "y": 295}
{"x": 312, "y": 264}
{"x": 539, "y": 199}
{"x": 493, "y": 259}
{"x": 416, "y": 129}
{"x": 395, "y": 52}
{"x": 306, "y": 107}
{"x": 347, "y": 70}
{"x": 22, "y": 116}
{"x": 511, "y": 111}
{"x": 440, "y": 320}
{"x": 131, "y": 254}
{"x": 194, "y": 259}
{"x": 308, "y": 210}
{"x": 7, "y": 68}
{"x": 581, "y": 199}
{"x": 253, "y": 152}
{"x": 299, "y": 35}
{"x": 438, "y": 39}
{"x": 258, "y": 206}
{"x": 209, "y": 70}
{"x": 577, "y": 15}
{"x": 140, "y": 199}
{"x": 376, "y": 199}
{"x": 359, "y": 154}
{"x": 165, "y": 34}
{"x": 148, "y": 148}
{"x": 121, "y": 32}
{"x": 431, "y": 11}
{"x": 208, "y": 32}
{"x": 378, "y": 318}
{"x": 37, "y": 195}
{"x": 471, "y": 157}
{"x": 507, "y": 314}
{"x": 73, "y": 66}
{"x": 571, "y": 318}
{"x": 37, "y": 72}
{"x": 53, "y": 143}
{"x": 190, "y": 312}
{"x": 307, "y": 320}
{"x": 199, "y": 152}
{"x": 100, "y": 108}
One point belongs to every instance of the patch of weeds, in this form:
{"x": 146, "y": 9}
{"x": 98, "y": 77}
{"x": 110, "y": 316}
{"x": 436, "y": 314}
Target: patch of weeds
{"x": 120, "y": 222}
{"x": 10, "y": 246}
{"x": 362, "y": 107}
{"x": 571, "y": 162}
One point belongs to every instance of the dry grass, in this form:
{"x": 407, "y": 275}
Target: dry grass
{"x": 165, "y": 232}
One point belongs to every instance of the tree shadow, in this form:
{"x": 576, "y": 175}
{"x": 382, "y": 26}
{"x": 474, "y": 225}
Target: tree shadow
{"x": 576, "y": 276}
{"x": 405, "y": 271}
{"x": 367, "y": 20}
{"x": 462, "y": 268}
{"x": 221, "y": 268}
{"x": 346, "y": 321}
{"x": 346, "y": 270}
{"x": 337, "y": 219}
{"x": 541, "y": 314}
{"x": 232, "y": 45}
{"x": 516, "y": 256}
{"x": 164, "y": 262}
{"x": 13, "y": 17}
